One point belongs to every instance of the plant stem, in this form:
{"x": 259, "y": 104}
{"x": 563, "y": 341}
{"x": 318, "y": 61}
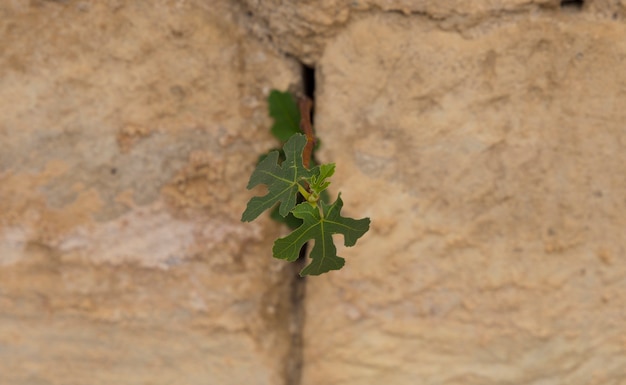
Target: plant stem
{"x": 303, "y": 191}
{"x": 305, "y": 104}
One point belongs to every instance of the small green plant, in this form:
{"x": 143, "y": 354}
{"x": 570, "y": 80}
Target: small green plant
{"x": 298, "y": 191}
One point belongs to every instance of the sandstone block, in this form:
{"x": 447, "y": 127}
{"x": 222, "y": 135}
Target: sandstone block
{"x": 492, "y": 166}
{"x": 128, "y": 131}
{"x": 304, "y": 28}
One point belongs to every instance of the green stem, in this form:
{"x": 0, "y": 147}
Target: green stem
{"x": 303, "y": 191}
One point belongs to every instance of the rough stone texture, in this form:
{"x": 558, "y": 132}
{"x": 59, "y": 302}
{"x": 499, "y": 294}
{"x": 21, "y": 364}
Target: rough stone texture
{"x": 303, "y": 28}
{"x": 615, "y": 9}
{"x": 127, "y": 131}
{"x": 484, "y": 139}
{"x": 492, "y": 166}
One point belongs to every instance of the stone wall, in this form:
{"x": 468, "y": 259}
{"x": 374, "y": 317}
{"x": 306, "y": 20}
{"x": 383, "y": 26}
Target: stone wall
{"x": 484, "y": 139}
{"x": 128, "y": 131}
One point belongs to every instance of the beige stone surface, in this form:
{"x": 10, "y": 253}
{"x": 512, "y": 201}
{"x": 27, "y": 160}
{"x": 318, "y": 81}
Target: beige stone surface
{"x": 126, "y": 136}
{"x": 485, "y": 140}
{"x": 616, "y": 10}
{"x": 304, "y": 28}
{"x": 492, "y": 165}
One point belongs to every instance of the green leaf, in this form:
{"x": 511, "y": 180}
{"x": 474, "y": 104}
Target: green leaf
{"x": 325, "y": 196}
{"x": 319, "y": 182}
{"x": 286, "y": 115}
{"x": 290, "y": 221}
{"x": 320, "y": 228}
{"x": 282, "y": 180}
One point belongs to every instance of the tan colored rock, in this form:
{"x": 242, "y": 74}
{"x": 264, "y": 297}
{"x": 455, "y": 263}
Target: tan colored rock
{"x": 484, "y": 139}
{"x": 304, "y": 28}
{"x": 615, "y": 10}
{"x": 128, "y": 132}
{"x": 492, "y": 166}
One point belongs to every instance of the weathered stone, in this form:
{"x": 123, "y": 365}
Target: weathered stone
{"x": 484, "y": 139}
{"x": 304, "y": 28}
{"x": 492, "y": 166}
{"x": 615, "y": 10}
{"x": 128, "y": 133}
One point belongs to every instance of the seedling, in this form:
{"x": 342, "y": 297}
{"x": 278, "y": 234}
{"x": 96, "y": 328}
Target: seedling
{"x": 298, "y": 190}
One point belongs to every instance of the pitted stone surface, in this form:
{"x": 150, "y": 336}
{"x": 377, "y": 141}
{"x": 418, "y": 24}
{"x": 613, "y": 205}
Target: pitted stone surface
{"x": 126, "y": 135}
{"x": 492, "y": 170}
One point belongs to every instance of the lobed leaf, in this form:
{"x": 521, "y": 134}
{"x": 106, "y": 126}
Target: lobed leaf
{"x": 282, "y": 180}
{"x": 319, "y": 182}
{"x": 320, "y": 228}
{"x": 286, "y": 115}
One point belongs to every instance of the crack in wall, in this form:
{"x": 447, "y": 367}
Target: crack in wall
{"x": 574, "y": 4}
{"x": 295, "y": 359}
{"x": 305, "y": 38}
{"x": 297, "y": 296}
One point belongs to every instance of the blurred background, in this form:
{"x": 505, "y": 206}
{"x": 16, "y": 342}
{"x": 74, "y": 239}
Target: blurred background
{"x": 484, "y": 139}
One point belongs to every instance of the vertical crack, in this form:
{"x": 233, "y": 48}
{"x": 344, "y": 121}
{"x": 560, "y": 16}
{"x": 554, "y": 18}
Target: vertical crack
{"x": 298, "y": 292}
{"x": 308, "y": 83}
{"x": 572, "y": 4}
{"x": 298, "y": 284}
